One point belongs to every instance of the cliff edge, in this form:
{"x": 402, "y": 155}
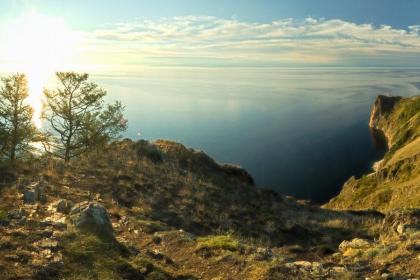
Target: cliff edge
{"x": 396, "y": 180}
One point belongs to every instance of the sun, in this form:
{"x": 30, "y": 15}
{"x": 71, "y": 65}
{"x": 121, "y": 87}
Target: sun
{"x": 38, "y": 46}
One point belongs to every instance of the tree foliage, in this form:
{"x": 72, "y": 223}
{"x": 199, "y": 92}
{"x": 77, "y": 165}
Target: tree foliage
{"x": 16, "y": 128}
{"x": 78, "y": 116}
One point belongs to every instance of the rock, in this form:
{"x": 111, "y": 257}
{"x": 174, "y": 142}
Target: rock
{"x": 406, "y": 228}
{"x": 57, "y": 221}
{"x": 304, "y": 264}
{"x": 92, "y": 217}
{"x": 29, "y": 196}
{"x": 47, "y": 244}
{"x": 64, "y": 206}
{"x": 263, "y": 254}
{"x": 356, "y": 243}
{"x": 35, "y": 193}
{"x": 338, "y": 269}
{"x": 354, "y": 247}
{"x": 16, "y": 214}
{"x": 385, "y": 276}
{"x": 382, "y": 106}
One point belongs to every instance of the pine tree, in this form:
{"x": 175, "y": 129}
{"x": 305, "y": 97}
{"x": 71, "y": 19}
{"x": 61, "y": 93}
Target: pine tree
{"x": 79, "y": 117}
{"x": 17, "y": 130}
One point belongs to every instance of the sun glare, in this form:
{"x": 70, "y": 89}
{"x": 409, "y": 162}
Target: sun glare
{"x": 37, "y": 46}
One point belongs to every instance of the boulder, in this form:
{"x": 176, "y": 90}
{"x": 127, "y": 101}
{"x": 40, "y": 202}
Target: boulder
{"x": 29, "y": 196}
{"x": 356, "y": 243}
{"x": 93, "y": 218}
{"x": 35, "y": 192}
{"x": 353, "y": 247}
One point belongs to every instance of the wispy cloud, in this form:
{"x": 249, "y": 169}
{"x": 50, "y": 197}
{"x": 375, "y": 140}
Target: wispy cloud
{"x": 211, "y": 41}
{"x": 208, "y": 40}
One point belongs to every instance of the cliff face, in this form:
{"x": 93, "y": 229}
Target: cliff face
{"x": 381, "y": 108}
{"x": 396, "y": 180}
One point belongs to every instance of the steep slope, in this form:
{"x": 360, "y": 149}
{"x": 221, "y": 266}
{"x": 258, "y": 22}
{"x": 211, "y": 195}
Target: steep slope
{"x": 396, "y": 180}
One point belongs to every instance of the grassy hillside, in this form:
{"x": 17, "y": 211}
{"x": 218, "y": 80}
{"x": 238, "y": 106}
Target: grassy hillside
{"x": 173, "y": 213}
{"x": 396, "y": 181}
{"x": 177, "y": 214}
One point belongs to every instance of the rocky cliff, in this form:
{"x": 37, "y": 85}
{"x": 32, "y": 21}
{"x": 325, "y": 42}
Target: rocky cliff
{"x": 396, "y": 180}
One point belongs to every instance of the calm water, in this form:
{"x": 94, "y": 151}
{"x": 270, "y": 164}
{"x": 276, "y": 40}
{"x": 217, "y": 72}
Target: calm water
{"x": 302, "y": 132}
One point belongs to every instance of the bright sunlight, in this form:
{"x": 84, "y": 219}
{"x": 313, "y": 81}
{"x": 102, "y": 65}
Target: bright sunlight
{"x": 38, "y": 46}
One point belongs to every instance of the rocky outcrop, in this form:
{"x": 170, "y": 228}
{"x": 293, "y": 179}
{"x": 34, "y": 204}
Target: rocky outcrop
{"x": 93, "y": 218}
{"x": 395, "y": 182}
{"x": 35, "y": 192}
{"x": 383, "y": 105}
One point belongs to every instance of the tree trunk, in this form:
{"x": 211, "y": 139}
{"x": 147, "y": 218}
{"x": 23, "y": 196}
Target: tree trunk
{"x": 13, "y": 153}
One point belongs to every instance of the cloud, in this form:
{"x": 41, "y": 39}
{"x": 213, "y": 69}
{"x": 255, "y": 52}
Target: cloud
{"x": 212, "y": 41}
{"x": 205, "y": 40}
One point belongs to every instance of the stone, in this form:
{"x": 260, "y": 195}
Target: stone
{"x": 47, "y": 244}
{"x": 93, "y": 218}
{"x": 263, "y": 254}
{"x": 299, "y": 264}
{"x": 407, "y": 228}
{"x": 57, "y": 221}
{"x": 339, "y": 269}
{"x": 29, "y": 196}
{"x": 64, "y": 206}
{"x": 35, "y": 193}
{"x": 356, "y": 243}
{"x": 16, "y": 214}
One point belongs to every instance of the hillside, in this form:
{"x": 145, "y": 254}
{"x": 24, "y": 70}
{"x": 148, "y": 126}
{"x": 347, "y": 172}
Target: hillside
{"x": 396, "y": 180}
{"x": 159, "y": 210}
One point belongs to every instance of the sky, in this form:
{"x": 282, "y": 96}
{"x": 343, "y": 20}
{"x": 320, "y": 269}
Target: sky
{"x": 126, "y": 35}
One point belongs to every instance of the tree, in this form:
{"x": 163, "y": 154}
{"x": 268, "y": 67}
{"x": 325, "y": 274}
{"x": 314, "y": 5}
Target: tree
{"x": 17, "y": 130}
{"x": 79, "y": 118}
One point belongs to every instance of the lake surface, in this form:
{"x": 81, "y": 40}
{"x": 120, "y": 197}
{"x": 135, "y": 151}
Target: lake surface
{"x": 302, "y": 132}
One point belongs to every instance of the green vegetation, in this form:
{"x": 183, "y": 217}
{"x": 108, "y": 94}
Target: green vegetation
{"x": 3, "y": 214}
{"x": 218, "y": 242}
{"x": 396, "y": 183}
{"x": 168, "y": 209}
{"x": 78, "y": 117}
{"x": 87, "y": 256}
{"x": 16, "y": 127}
